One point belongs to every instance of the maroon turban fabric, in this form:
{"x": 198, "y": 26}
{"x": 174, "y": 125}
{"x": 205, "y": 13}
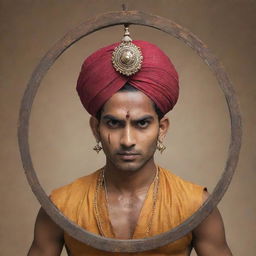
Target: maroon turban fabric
{"x": 157, "y": 78}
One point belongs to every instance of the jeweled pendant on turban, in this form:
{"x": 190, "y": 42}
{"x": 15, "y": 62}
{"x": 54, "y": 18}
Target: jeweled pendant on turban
{"x": 127, "y": 57}
{"x": 139, "y": 63}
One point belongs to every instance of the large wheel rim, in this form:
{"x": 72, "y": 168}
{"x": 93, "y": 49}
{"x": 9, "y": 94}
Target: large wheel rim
{"x": 165, "y": 25}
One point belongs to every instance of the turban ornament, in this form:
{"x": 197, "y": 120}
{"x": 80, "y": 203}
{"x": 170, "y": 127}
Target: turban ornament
{"x": 139, "y": 63}
{"x": 127, "y": 57}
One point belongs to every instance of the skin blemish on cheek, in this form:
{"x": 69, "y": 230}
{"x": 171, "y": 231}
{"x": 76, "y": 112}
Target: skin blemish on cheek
{"x": 109, "y": 139}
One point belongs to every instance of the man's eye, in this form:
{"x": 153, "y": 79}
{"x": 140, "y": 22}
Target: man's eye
{"x": 143, "y": 123}
{"x": 113, "y": 123}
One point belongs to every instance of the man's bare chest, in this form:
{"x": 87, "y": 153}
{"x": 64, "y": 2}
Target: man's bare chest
{"x": 124, "y": 212}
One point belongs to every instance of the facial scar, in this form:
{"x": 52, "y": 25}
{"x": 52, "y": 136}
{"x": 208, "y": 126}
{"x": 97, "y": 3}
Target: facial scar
{"x": 108, "y": 138}
{"x": 127, "y": 115}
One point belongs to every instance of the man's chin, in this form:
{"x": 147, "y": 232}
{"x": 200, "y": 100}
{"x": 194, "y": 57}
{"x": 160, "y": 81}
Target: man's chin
{"x": 128, "y": 166}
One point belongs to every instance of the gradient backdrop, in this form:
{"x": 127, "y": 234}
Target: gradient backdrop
{"x": 60, "y": 139}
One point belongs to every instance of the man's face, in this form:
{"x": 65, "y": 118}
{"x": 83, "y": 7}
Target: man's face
{"x": 128, "y": 130}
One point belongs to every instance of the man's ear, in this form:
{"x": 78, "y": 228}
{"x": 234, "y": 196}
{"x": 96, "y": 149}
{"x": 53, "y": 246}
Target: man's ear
{"x": 163, "y": 127}
{"x": 94, "y": 124}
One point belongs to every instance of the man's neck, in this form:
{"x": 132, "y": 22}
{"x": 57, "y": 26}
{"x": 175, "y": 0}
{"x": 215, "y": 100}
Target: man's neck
{"x": 129, "y": 182}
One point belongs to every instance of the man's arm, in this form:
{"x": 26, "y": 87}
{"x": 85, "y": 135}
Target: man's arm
{"x": 48, "y": 237}
{"x": 209, "y": 237}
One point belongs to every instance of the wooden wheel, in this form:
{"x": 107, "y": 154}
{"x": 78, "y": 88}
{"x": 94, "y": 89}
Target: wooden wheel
{"x": 165, "y": 25}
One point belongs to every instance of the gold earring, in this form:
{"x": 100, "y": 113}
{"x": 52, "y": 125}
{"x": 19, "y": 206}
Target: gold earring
{"x": 160, "y": 146}
{"x": 98, "y": 147}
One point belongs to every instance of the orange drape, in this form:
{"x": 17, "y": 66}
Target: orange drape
{"x": 177, "y": 200}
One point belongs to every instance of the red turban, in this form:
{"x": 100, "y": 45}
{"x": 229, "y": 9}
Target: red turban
{"x": 157, "y": 78}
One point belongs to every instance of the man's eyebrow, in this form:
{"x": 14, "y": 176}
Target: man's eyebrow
{"x": 146, "y": 117}
{"x": 110, "y": 117}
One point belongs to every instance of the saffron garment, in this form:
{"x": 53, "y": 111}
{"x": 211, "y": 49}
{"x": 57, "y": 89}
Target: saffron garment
{"x": 176, "y": 201}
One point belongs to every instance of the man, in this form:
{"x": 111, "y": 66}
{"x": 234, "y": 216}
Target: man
{"x": 128, "y": 88}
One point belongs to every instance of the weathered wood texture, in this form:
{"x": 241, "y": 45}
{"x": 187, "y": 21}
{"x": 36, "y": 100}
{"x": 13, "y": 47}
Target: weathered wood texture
{"x": 165, "y": 25}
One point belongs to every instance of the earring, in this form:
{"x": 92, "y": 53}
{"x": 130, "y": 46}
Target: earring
{"x": 98, "y": 147}
{"x": 160, "y": 146}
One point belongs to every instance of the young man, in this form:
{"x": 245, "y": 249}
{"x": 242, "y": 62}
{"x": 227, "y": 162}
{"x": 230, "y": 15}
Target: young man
{"x": 128, "y": 88}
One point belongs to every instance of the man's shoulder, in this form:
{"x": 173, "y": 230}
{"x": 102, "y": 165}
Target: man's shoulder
{"x": 182, "y": 190}
{"x": 74, "y": 189}
{"x": 174, "y": 179}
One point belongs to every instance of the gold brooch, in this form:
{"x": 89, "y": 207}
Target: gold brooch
{"x": 127, "y": 57}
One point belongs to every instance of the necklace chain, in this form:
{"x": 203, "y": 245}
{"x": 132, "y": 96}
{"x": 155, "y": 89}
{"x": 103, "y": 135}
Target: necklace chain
{"x": 101, "y": 180}
{"x": 155, "y": 195}
{"x": 95, "y": 203}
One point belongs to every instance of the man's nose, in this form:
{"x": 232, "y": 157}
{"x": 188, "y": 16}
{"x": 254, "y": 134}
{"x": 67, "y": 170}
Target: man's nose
{"x": 128, "y": 137}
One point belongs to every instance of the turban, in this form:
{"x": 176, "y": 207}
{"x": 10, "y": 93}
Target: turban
{"x": 157, "y": 78}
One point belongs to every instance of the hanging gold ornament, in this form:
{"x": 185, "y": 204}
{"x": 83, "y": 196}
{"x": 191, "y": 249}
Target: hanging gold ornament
{"x": 97, "y": 147}
{"x": 160, "y": 146}
{"x": 127, "y": 57}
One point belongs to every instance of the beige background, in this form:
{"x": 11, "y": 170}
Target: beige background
{"x": 61, "y": 142}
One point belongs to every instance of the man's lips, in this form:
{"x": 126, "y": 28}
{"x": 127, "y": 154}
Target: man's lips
{"x": 128, "y": 155}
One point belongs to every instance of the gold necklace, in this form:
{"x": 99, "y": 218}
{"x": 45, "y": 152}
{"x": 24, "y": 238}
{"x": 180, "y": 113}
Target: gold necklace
{"x": 101, "y": 180}
{"x": 155, "y": 196}
{"x": 95, "y": 203}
